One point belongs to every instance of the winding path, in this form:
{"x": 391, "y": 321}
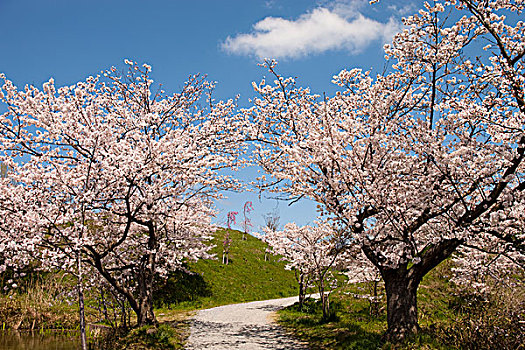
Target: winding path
{"x": 242, "y": 326}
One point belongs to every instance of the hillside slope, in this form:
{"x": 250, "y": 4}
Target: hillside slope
{"x": 247, "y": 277}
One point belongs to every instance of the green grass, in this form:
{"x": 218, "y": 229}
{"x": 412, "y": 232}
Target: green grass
{"x": 164, "y": 337}
{"x": 247, "y": 277}
{"x": 354, "y": 328}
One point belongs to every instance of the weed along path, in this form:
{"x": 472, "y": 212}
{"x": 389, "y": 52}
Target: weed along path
{"x": 242, "y": 326}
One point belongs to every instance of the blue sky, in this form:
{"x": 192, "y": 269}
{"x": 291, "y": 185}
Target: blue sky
{"x": 225, "y": 39}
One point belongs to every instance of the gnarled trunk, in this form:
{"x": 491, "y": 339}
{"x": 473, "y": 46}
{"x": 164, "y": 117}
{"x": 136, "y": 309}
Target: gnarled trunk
{"x": 145, "y": 315}
{"x": 402, "y": 282}
{"x": 401, "y": 296}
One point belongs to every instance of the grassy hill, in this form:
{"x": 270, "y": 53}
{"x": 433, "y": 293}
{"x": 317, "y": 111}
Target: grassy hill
{"x": 247, "y": 277}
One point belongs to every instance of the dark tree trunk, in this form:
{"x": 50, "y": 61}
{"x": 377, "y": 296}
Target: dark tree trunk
{"x": 142, "y": 302}
{"x": 302, "y": 289}
{"x": 82, "y": 316}
{"x": 123, "y": 318}
{"x": 104, "y": 305}
{"x": 145, "y": 315}
{"x": 374, "y": 302}
{"x": 401, "y": 297}
{"x": 324, "y": 300}
{"x": 401, "y": 286}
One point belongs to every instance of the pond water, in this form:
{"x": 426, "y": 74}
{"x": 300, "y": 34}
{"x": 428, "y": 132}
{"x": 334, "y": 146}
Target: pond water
{"x": 35, "y": 340}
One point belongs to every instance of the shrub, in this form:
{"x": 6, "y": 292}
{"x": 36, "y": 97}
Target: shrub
{"x": 494, "y": 322}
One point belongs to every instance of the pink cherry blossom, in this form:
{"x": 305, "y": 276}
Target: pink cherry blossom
{"x": 115, "y": 174}
{"x": 419, "y": 160}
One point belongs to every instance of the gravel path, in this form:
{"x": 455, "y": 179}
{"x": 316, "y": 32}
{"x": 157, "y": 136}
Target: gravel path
{"x": 242, "y": 326}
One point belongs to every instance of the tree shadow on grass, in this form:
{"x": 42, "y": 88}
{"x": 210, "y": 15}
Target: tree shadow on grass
{"x": 337, "y": 334}
{"x": 180, "y": 286}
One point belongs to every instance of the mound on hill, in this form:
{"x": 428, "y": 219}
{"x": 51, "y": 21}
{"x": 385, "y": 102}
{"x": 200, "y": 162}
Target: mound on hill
{"x": 247, "y": 277}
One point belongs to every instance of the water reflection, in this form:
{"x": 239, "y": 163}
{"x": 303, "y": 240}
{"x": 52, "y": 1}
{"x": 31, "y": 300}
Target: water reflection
{"x": 34, "y": 340}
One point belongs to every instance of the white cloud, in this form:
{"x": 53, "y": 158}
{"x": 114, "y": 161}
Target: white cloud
{"x": 318, "y": 31}
{"x": 404, "y": 10}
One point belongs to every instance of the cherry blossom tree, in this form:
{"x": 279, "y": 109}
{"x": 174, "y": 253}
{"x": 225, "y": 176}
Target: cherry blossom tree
{"x": 311, "y": 251}
{"x": 271, "y": 222}
{"x": 227, "y": 241}
{"x": 480, "y": 273}
{"x": 231, "y": 219}
{"x": 114, "y": 177}
{"x": 246, "y": 222}
{"x": 359, "y": 270}
{"x": 419, "y": 160}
